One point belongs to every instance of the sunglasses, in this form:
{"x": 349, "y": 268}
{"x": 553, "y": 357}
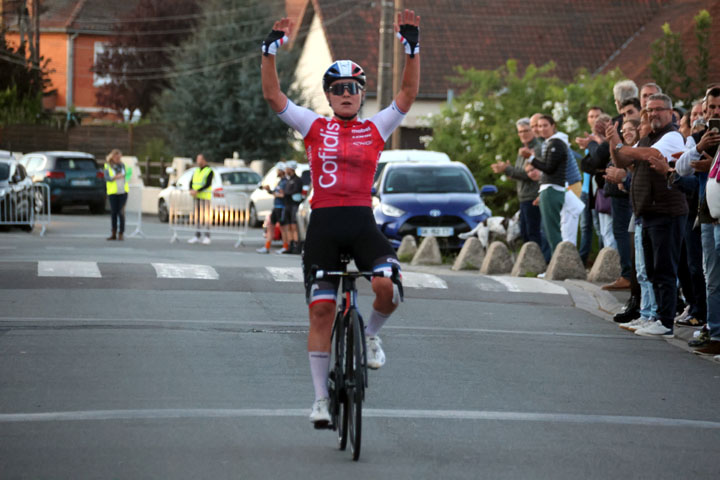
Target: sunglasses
{"x": 338, "y": 89}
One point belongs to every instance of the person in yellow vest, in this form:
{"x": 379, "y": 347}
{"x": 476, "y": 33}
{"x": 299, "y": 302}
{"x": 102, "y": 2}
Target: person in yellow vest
{"x": 117, "y": 185}
{"x": 201, "y": 190}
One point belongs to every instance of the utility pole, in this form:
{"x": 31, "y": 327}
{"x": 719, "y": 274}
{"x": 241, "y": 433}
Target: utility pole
{"x": 385, "y": 54}
{"x": 398, "y": 62}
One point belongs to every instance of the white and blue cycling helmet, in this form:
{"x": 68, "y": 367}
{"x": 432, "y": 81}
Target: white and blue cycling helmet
{"x": 343, "y": 69}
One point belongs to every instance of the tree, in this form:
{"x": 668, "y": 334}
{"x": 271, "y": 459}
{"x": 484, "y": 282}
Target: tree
{"x": 683, "y": 80}
{"x": 22, "y": 82}
{"x": 478, "y": 128}
{"x": 215, "y": 102}
{"x": 140, "y": 53}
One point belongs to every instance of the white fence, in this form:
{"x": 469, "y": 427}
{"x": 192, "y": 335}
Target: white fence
{"x": 228, "y": 215}
{"x": 26, "y": 207}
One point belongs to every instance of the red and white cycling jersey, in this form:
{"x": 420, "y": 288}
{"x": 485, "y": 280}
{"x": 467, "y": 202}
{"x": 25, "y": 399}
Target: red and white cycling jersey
{"x": 342, "y": 155}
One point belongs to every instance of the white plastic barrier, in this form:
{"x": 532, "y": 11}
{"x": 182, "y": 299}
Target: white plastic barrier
{"x": 227, "y": 215}
{"x": 133, "y": 209}
{"x": 26, "y": 207}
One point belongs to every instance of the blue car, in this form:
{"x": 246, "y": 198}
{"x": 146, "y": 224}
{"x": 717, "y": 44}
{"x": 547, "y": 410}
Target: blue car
{"x": 441, "y": 200}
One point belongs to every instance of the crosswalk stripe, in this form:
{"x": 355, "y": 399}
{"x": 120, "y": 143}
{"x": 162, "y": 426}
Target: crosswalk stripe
{"x": 530, "y": 285}
{"x": 68, "y": 269}
{"x": 410, "y": 279}
{"x": 188, "y": 271}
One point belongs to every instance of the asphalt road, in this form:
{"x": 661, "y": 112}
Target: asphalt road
{"x": 146, "y": 359}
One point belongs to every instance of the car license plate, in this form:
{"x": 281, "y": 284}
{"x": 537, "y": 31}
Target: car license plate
{"x": 81, "y": 183}
{"x": 435, "y": 231}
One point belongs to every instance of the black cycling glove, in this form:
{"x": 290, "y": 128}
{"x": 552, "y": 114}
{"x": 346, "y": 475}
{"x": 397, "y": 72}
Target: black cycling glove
{"x": 410, "y": 36}
{"x": 274, "y": 40}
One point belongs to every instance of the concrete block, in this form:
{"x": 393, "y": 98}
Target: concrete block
{"x": 471, "y": 256}
{"x": 428, "y": 253}
{"x": 606, "y": 267}
{"x": 565, "y": 263}
{"x": 497, "y": 260}
{"x": 530, "y": 261}
{"x": 408, "y": 248}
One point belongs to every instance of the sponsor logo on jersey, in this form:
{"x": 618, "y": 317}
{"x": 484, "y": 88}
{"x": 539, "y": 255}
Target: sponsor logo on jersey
{"x": 327, "y": 154}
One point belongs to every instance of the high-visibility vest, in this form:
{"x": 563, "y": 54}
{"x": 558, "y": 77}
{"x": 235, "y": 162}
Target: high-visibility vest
{"x": 198, "y": 180}
{"x": 112, "y": 187}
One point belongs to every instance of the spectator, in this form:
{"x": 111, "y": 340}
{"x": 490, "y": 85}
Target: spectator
{"x": 596, "y": 163}
{"x": 527, "y": 189}
{"x": 630, "y": 109}
{"x": 647, "y": 90}
{"x": 589, "y": 217}
{"x": 552, "y": 184}
{"x": 698, "y": 160}
{"x": 201, "y": 191}
{"x": 117, "y": 186}
{"x": 292, "y": 195}
{"x": 661, "y": 206}
{"x": 276, "y": 214}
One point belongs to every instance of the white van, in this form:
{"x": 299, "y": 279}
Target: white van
{"x": 409, "y": 156}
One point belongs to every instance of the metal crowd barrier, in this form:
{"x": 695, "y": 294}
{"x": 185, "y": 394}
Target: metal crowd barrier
{"x": 133, "y": 209}
{"x": 227, "y": 215}
{"x": 26, "y": 207}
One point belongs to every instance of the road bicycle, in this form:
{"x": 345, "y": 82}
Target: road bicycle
{"x": 347, "y": 379}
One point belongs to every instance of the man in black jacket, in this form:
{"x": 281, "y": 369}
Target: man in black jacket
{"x": 661, "y": 206}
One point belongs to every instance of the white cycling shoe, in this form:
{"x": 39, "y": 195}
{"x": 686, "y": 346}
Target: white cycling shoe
{"x": 320, "y": 415}
{"x": 375, "y": 354}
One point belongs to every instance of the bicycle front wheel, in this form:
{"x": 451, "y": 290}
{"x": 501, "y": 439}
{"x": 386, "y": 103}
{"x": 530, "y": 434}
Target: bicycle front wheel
{"x": 337, "y": 374}
{"x": 355, "y": 377}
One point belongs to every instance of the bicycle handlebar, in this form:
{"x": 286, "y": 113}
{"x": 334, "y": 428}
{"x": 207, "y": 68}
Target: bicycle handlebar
{"x": 394, "y": 275}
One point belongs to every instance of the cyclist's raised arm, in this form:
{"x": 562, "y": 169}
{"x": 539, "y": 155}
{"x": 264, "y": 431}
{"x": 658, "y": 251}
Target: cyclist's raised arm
{"x": 408, "y": 31}
{"x": 270, "y": 81}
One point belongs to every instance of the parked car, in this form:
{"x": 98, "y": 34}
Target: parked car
{"x": 422, "y": 199}
{"x": 261, "y": 202}
{"x": 74, "y": 178}
{"x": 16, "y": 193}
{"x": 409, "y": 156}
{"x": 225, "y": 180}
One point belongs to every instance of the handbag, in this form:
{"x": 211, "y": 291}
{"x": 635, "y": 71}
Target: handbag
{"x": 602, "y": 202}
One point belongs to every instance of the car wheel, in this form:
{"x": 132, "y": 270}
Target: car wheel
{"x": 163, "y": 214}
{"x": 254, "y": 222}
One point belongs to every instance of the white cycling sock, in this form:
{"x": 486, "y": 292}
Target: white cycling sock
{"x": 375, "y": 323}
{"x": 319, "y": 365}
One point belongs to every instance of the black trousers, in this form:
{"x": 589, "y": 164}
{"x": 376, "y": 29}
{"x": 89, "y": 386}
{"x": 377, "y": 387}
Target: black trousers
{"x": 117, "y": 211}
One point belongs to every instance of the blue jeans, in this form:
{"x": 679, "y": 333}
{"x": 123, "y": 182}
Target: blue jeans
{"x": 648, "y": 305}
{"x": 711, "y": 263}
{"x": 117, "y": 211}
{"x": 661, "y": 242}
{"x": 530, "y": 220}
{"x": 621, "y": 214}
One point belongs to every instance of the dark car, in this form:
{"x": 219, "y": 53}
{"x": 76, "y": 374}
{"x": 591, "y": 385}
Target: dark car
{"x": 74, "y": 178}
{"x": 16, "y": 195}
{"x": 438, "y": 199}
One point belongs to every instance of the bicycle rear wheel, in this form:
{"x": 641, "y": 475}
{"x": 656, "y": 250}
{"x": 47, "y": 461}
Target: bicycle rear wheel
{"x": 355, "y": 378}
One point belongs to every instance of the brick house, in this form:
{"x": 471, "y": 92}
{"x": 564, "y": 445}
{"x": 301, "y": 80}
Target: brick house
{"x": 72, "y": 34}
{"x": 599, "y": 36}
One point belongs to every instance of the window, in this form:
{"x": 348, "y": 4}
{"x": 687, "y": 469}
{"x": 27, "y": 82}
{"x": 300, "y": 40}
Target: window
{"x": 429, "y": 180}
{"x": 84, "y": 164}
{"x": 4, "y": 171}
{"x": 33, "y": 164}
{"x": 239, "y": 178}
{"x": 100, "y": 80}
{"x": 184, "y": 181}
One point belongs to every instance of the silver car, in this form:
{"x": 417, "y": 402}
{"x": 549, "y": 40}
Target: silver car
{"x": 16, "y": 194}
{"x": 226, "y": 180}
{"x": 261, "y": 201}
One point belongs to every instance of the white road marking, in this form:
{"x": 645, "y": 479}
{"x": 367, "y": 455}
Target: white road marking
{"x": 11, "y": 247}
{"x": 68, "y": 269}
{"x": 477, "y": 415}
{"x": 530, "y": 285}
{"x": 410, "y": 279}
{"x": 184, "y": 270}
{"x": 291, "y": 274}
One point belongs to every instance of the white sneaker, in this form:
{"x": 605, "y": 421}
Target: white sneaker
{"x": 319, "y": 415}
{"x": 206, "y": 241}
{"x": 636, "y": 324}
{"x": 262, "y": 250}
{"x": 541, "y": 275}
{"x": 375, "y": 354}
{"x": 656, "y": 329}
{"x": 194, "y": 240}
{"x": 281, "y": 251}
